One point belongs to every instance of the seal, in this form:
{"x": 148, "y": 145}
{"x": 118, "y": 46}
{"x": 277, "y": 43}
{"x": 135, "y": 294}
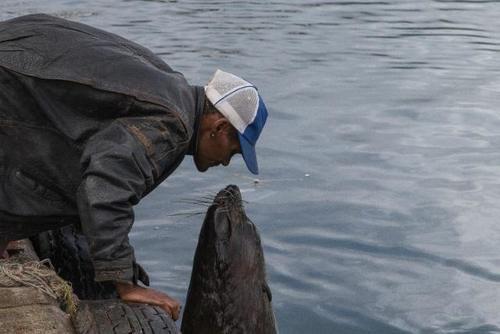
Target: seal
{"x": 228, "y": 291}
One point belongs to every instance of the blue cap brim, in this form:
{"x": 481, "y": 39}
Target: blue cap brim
{"x": 249, "y": 155}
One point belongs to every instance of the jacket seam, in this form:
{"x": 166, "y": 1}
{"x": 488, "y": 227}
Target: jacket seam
{"x": 148, "y": 98}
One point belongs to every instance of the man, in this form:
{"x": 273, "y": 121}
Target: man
{"x": 90, "y": 123}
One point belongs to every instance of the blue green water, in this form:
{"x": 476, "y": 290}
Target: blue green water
{"x": 378, "y": 199}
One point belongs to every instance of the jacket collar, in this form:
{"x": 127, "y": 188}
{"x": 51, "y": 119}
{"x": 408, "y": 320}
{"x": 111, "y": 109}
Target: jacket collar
{"x": 199, "y": 93}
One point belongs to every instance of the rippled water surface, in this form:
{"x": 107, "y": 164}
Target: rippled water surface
{"x": 378, "y": 200}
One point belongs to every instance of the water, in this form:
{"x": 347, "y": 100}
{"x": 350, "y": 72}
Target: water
{"x": 378, "y": 197}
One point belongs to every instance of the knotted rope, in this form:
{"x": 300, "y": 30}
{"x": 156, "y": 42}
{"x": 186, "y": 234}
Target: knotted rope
{"x": 17, "y": 271}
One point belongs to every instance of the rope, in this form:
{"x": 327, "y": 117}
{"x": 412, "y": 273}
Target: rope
{"x": 39, "y": 275}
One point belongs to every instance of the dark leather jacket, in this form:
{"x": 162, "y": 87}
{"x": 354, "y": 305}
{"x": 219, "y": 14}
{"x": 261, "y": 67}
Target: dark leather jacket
{"x": 89, "y": 124}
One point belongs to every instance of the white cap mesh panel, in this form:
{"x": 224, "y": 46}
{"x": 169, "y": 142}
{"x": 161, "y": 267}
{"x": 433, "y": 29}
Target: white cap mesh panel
{"x": 246, "y": 102}
{"x": 232, "y": 116}
{"x": 234, "y": 97}
{"x": 224, "y": 82}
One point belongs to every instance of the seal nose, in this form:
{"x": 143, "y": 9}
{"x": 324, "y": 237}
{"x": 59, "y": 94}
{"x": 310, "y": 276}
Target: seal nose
{"x": 233, "y": 191}
{"x": 230, "y": 196}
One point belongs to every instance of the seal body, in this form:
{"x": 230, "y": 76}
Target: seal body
{"x": 228, "y": 292}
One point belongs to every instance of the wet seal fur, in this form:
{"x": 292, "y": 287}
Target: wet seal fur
{"x": 228, "y": 292}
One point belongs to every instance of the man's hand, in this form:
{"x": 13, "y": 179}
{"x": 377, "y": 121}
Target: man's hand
{"x": 137, "y": 294}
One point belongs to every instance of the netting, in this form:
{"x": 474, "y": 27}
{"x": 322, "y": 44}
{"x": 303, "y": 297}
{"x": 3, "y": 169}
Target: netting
{"x": 224, "y": 82}
{"x": 234, "y": 98}
{"x": 246, "y": 101}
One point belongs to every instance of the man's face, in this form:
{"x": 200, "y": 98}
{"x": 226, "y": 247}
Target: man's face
{"x": 217, "y": 142}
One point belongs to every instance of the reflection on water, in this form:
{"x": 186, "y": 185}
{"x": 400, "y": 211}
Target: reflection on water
{"x": 377, "y": 201}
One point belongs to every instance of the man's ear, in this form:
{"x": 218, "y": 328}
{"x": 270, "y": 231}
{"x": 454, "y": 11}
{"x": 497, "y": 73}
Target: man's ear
{"x": 222, "y": 125}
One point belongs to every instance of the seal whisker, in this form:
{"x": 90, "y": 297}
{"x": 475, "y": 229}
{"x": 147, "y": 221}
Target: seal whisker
{"x": 186, "y": 213}
{"x": 194, "y": 200}
{"x": 206, "y": 198}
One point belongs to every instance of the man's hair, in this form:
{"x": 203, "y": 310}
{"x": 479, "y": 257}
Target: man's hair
{"x": 209, "y": 108}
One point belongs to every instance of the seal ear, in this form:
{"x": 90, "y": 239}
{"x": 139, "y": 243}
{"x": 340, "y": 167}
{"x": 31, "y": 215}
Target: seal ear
{"x": 267, "y": 290}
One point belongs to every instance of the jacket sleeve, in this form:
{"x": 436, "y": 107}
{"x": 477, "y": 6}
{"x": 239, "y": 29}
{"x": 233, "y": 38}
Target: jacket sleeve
{"x": 119, "y": 164}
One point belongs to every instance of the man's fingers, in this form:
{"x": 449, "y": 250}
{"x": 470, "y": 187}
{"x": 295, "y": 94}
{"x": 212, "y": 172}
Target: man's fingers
{"x": 173, "y": 306}
{"x": 137, "y": 294}
{"x": 175, "y": 309}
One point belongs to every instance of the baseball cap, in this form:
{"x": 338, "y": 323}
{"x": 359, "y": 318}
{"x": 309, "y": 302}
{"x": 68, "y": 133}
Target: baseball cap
{"x": 239, "y": 101}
